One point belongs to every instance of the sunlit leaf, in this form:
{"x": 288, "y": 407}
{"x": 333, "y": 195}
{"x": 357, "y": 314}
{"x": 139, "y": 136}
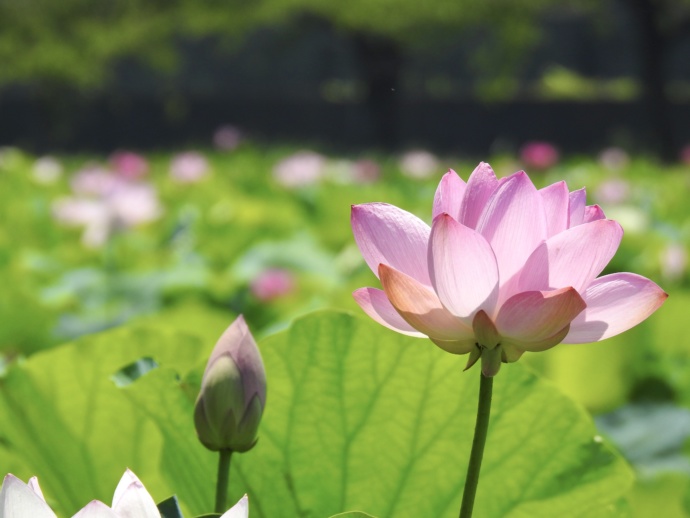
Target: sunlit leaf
{"x": 357, "y": 417}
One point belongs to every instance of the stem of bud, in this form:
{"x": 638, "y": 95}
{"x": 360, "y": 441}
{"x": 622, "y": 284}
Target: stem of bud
{"x": 222, "y": 481}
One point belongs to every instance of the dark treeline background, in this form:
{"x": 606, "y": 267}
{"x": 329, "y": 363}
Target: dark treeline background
{"x": 468, "y": 77}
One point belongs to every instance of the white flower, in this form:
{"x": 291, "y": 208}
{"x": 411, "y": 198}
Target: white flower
{"x": 239, "y": 510}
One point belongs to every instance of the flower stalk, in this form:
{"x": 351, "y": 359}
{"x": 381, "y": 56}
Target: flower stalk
{"x": 224, "y": 457}
{"x": 481, "y": 429}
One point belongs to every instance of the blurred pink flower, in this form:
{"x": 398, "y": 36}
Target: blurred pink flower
{"x": 365, "y": 170}
{"x": 301, "y": 169}
{"x": 129, "y": 165}
{"x": 188, "y": 167}
{"x": 46, "y": 170}
{"x": 272, "y": 284}
{"x": 345, "y": 171}
{"x": 505, "y": 268}
{"x": 685, "y": 154}
{"x": 612, "y": 192}
{"x": 227, "y": 138}
{"x": 96, "y": 181}
{"x": 539, "y": 155}
{"x": 125, "y": 205}
{"x": 674, "y": 262}
{"x": 418, "y": 164}
{"x": 614, "y": 158}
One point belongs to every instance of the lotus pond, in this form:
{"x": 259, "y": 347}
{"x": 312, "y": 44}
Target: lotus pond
{"x": 120, "y": 273}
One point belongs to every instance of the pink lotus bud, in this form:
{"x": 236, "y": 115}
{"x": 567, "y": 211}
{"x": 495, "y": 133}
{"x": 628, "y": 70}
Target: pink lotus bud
{"x": 365, "y": 171}
{"x": 46, "y": 170}
{"x": 614, "y": 158}
{"x": 233, "y": 392}
{"x": 129, "y": 165}
{"x": 20, "y": 500}
{"x": 299, "y": 170}
{"x": 418, "y": 164}
{"x": 613, "y": 192}
{"x": 93, "y": 180}
{"x": 674, "y": 262}
{"x": 188, "y": 167}
{"x": 227, "y": 138}
{"x": 685, "y": 154}
{"x": 272, "y": 284}
{"x": 539, "y": 155}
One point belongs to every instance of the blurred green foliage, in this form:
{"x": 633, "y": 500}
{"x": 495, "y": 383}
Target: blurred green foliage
{"x": 77, "y": 42}
{"x": 197, "y": 263}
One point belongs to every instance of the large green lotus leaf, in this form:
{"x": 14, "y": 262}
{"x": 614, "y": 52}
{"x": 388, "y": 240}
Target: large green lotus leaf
{"x": 359, "y": 417}
{"x": 362, "y": 418}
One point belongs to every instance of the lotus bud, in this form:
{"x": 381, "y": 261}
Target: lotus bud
{"x": 233, "y": 392}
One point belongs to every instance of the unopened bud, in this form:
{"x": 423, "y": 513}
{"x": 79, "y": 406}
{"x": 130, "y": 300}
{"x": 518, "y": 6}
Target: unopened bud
{"x": 233, "y": 392}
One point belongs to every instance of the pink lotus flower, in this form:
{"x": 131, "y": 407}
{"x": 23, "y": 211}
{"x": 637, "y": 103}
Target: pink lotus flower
{"x": 299, "y": 170}
{"x": 685, "y": 154}
{"x": 20, "y": 500}
{"x": 505, "y": 268}
{"x": 95, "y": 180}
{"x": 227, "y": 138}
{"x": 118, "y": 205}
{"x": 365, "y": 170}
{"x": 188, "y": 167}
{"x": 272, "y": 284}
{"x": 539, "y": 155}
{"x": 418, "y": 164}
{"x": 346, "y": 172}
{"x": 129, "y": 165}
{"x": 614, "y": 192}
{"x": 614, "y": 158}
{"x": 674, "y": 262}
{"x": 46, "y": 170}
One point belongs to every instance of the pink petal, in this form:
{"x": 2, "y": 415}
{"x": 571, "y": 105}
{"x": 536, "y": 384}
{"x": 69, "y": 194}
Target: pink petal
{"x": 96, "y": 509}
{"x": 481, "y": 184}
{"x": 420, "y": 307}
{"x": 128, "y": 476}
{"x": 572, "y": 258}
{"x": 577, "y": 207}
{"x": 20, "y": 500}
{"x": 388, "y": 235}
{"x": 463, "y": 268}
{"x": 456, "y": 346}
{"x": 530, "y": 319}
{"x": 615, "y": 303}
{"x": 449, "y": 195}
{"x": 131, "y": 500}
{"x": 593, "y": 213}
{"x": 375, "y": 304}
{"x": 513, "y": 222}
{"x": 239, "y": 510}
{"x": 33, "y": 485}
{"x": 555, "y": 198}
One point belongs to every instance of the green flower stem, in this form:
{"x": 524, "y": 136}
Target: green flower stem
{"x": 480, "y": 430}
{"x": 223, "y": 478}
